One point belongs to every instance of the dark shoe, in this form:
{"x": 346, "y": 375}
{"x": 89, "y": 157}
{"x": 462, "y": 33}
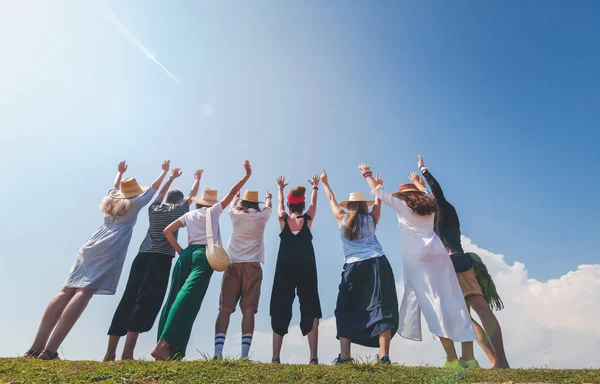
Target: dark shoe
{"x": 314, "y": 362}
{"x": 48, "y": 355}
{"x": 384, "y": 360}
{"x": 31, "y": 354}
{"x": 276, "y": 360}
{"x": 339, "y": 360}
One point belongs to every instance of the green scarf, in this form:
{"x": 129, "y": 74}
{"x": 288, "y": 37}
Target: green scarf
{"x": 487, "y": 284}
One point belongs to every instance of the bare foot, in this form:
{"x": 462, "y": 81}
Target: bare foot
{"x": 109, "y": 357}
{"x": 161, "y": 351}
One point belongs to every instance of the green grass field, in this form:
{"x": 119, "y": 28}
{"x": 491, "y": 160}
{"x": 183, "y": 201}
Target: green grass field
{"x": 36, "y": 371}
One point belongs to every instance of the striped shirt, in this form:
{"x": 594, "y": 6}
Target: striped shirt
{"x": 161, "y": 215}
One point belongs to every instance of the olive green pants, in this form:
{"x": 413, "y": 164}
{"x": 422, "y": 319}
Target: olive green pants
{"x": 191, "y": 277}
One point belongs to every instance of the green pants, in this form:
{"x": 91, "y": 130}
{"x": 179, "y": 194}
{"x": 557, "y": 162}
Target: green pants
{"x": 191, "y": 277}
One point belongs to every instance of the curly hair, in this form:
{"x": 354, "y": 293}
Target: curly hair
{"x": 112, "y": 206}
{"x": 418, "y": 202}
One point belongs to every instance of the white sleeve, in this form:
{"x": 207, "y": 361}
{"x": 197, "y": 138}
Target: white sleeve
{"x": 390, "y": 200}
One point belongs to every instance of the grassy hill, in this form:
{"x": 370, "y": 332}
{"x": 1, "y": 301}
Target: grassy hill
{"x": 147, "y": 372}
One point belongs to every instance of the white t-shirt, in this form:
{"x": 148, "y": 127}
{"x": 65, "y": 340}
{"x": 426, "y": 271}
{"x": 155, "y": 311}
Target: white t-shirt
{"x": 247, "y": 240}
{"x": 195, "y": 222}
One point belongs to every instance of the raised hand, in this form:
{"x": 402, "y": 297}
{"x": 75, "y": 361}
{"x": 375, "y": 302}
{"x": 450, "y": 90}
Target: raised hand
{"x": 198, "y": 174}
{"x": 365, "y": 170}
{"x": 281, "y": 182}
{"x": 324, "y": 177}
{"x": 176, "y": 173}
{"x": 314, "y": 182}
{"x": 248, "y": 168}
{"x": 122, "y": 167}
{"x": 166, "y": 165}
{"x": 420, "y": 163}
{"x": 378, "y": 179}
{"x": 417, "y": 180}
{"x": 268, "y": 195}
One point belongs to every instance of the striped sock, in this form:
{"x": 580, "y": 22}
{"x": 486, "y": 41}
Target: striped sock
{"x": 219, "y": 342}
{"x": 246, "y": 341}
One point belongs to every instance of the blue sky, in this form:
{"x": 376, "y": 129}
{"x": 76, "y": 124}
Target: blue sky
{"x": 501, "y": 99}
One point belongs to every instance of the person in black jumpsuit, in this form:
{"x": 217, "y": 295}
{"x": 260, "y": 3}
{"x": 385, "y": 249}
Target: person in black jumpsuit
{"x": 447, "y": 227}
{"x": 296, "y": 272}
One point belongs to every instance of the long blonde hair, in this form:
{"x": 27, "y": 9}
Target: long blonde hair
{"x": 115, "y": 207}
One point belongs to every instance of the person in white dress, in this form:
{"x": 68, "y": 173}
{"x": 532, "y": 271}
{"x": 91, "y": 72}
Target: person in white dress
{"x": 98, "y": 265}
{"x": 430, "y": 283}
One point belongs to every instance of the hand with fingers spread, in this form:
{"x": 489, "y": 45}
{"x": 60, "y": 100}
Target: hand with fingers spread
{"x": 324, "y": 177}
{"x": 314, "y": 181}
{"x": 378, "y": 179}
{"x": 417, "y": 180}
{"x": 122, "y": 167}
{"x": 198, "y": 174}
{"x": 281, "y": 182}
{"x": 175, "y": 173}
{"x": 365, "y": 170}
{"x": 420, "y": 163}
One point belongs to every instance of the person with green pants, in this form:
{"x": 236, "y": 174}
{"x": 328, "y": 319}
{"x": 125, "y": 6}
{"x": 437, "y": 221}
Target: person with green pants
{"x": 192, "y": 272}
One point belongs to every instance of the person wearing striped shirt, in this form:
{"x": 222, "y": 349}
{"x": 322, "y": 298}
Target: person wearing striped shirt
{"x": 149, "y": 276}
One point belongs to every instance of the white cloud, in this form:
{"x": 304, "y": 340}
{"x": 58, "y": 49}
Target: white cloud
{"x": 552, "y": 323}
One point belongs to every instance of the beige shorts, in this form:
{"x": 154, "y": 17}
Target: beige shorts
{"x": 468, "y": 283}
{"x": 241, "y": 282}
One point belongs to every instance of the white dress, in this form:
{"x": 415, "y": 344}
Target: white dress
{"x": 430, "y": 283}
{"x": 100, "y": 260}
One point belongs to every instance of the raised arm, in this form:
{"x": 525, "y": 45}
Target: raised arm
{"x": 269, "y": 199}
{"x": 236, "y": 188}
{"x": 337, "y": 211}
{"x": 170, "y": 236}
{"x": 376, "y": 186}
{"x": 312, "y": 209}
{"x": 436, "y": 190}
{"x": 121, "y": 168}
{"x": 165, "y": 168}
{"x": 163, "y": 191}
{"x": 196, "y": 185}
{"x": 376, "y": 210}
{"x": 281, "y": 184}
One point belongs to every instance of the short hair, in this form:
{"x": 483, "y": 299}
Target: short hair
{"x": 174, "y": 196}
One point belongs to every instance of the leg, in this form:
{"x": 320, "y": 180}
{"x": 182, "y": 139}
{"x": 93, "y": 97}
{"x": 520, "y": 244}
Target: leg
{"x": 449, "y": 349}
{"x": 130, "y": 342}
{"x": 250, "y": 284}
{"x": 492, "y": 328}
{"x": 310, "y": 308}
{"x": 247, "y": 331}
{"x": 230, "y": 292}
{"x": 467, "y": 351}
{"x": 385, "y": 339}
{"x": 484, "y": 342}
{"x": 277, "y": 343}
{"x": 345, "y": 345}
{"x": 69, "y": 317}
{"x": 282, "y": 299}
{"x": 221, "y": 326}
{"x": 111, "y": 349}
{"x": 313, "y": 340}
{"x": 51, "y": 315}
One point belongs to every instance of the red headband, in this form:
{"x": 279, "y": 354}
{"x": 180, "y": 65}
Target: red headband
{"x": 295, "y": 200}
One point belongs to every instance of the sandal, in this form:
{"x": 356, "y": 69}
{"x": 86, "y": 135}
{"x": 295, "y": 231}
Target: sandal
{"x": 31, "y": 354}
{"x": 50, "y": 355}
{"x": 314, "y": 361}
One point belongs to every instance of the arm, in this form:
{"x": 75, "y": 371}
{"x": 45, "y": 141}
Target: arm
{"x": 159, "y": 179}
{"x": 121, "y": 168}
{"x": 312, "y": 209}
{"x": 169, "y": 235}
{"x": 436, "y": 190}
{"x": 376, "y": 210}
{"x": 337, "y": 211}
{"x": 236, "y": 188}
{"x": 376, "y": 186}
{"x": 196, "y": 185}
{"x": 269, "y": 200}
{"x": 163, "y": 191}
{"x": 281, "y": 184}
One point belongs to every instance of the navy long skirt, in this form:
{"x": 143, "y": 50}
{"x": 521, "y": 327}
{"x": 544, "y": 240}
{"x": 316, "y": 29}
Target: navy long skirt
{"x": 367, "y": 302}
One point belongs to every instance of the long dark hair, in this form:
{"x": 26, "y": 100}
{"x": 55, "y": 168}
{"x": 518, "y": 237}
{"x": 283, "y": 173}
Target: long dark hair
{"x": 244, "y": 206}
{"x": 356, "y": 210}
{"x": 418, "y": 202}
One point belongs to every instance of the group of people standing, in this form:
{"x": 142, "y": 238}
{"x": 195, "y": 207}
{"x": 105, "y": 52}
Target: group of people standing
{"x": 440, "y": 279}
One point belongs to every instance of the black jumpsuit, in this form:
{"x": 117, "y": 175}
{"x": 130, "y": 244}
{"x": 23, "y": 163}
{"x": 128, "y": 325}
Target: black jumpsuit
{"x": 296, "y": 271}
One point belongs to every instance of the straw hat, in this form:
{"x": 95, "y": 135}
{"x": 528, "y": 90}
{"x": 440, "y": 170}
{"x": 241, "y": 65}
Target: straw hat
{"x": 129, "y": 188}
{"x": 356, "y": 197}
{"x": 406, "y": 187}
{"x": 209, "y": 197}
{"x": 251, "y": 197}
